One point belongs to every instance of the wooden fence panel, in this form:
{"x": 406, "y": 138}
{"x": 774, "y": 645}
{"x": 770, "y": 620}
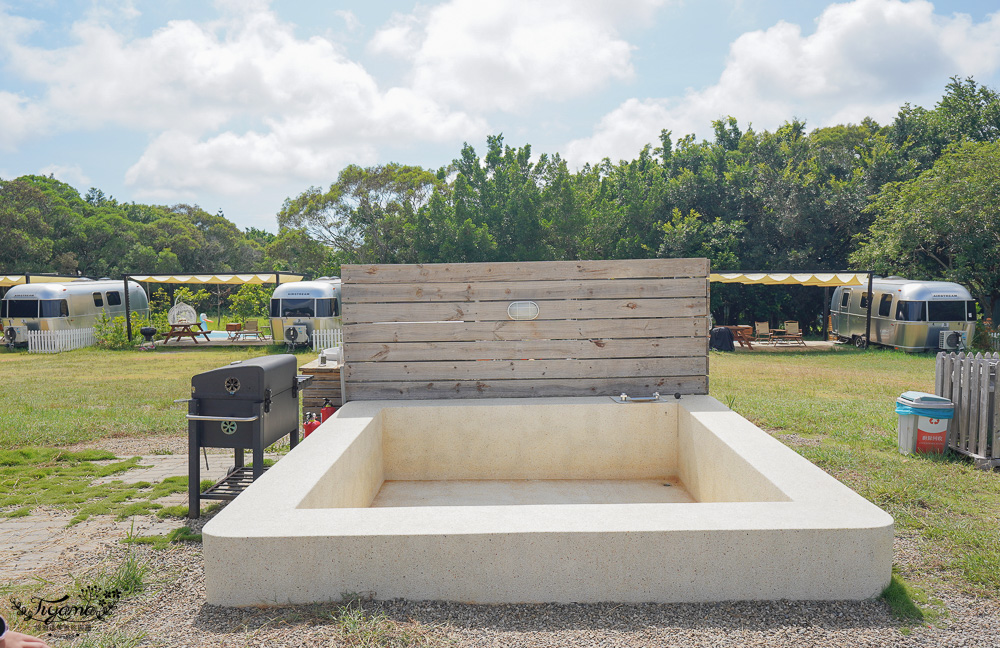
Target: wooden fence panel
{"x": 606, "y": 327}
{"x": 970, "y": 381}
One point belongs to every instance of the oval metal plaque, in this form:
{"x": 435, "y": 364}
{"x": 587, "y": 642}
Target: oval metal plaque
{"x": 522, "y": 310}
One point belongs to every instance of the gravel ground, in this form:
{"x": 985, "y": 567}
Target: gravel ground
{"x": 172, "y": 612}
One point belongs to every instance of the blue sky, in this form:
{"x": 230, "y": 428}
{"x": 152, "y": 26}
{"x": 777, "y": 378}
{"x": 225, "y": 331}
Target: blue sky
{"x": 239, "y": 104}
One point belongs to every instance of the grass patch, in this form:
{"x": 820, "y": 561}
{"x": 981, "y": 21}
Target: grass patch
{"x": 361, "y": 623}
{"x": 900, "y": 599}
{"x": 32, "y": 477}
{"x": 845, "y": 400}
{"x": 160, "y": 542}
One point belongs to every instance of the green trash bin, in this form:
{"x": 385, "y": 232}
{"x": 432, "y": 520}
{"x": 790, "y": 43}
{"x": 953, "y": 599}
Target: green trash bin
{"x": 923, "y": 422}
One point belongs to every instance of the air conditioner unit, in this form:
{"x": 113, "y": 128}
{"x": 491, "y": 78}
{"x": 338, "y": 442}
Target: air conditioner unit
{"x": 297, "y": 334}
{"x": 16, "y": 334}
{"x": 951, "y": 340}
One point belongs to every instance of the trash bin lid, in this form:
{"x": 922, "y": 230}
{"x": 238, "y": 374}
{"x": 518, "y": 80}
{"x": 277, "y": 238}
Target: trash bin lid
{"x": 925, "y": 400}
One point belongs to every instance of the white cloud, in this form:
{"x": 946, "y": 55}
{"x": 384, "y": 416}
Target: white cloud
{"x": 71, "y": 175}
{"x": 489, "y": 55}
{"x": 865, "y": 58}
{"x": 228, "y": 104}
{"x": 19, "y": 118}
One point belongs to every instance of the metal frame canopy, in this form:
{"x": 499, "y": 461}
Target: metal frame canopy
{"x": 825, "y": 279}
{"x": 229, "y": 279}
{"x": 793, "y": 278}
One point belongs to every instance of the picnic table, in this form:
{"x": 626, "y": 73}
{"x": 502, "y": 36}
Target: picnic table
{"x": 178, "y": 331}
{"x": 742, "y": 333}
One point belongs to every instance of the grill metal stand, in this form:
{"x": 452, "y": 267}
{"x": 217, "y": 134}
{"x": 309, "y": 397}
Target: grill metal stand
{"x": 245, "y": 406}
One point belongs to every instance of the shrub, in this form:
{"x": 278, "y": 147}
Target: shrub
{"x": 111, "y": 333}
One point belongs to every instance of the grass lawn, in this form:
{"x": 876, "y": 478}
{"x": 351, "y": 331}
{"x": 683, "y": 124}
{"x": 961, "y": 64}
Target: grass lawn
{"x": 837, "y": 409}
{"x": 64, "y": 398}
{"x": 834, "y": 407}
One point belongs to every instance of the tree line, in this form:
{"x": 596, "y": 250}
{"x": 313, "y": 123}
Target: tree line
{"x": 917, "y": 197}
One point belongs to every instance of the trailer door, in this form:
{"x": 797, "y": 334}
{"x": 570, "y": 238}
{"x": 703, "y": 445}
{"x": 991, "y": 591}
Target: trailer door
{"x": 842, "y": 315}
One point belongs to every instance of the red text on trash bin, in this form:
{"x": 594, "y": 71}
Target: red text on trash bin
{"x": 931, "y": 434}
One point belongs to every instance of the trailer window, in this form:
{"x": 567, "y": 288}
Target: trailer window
{"x": 98, "y": 301}
{"x": 275, "y": 308}
{"x": 946, "y": 311}
{"x": 297, "y": 308}
{"x": 324, "y": 308}
{"x": 864, "y": 300}
{"x": 22, "y": 308}
{"x": 3, "y": 308}
{"x": 910, "y": 311}
{"x": 970, "y": 311}
{"x": 885, "y": 306}
{"x": 846, "y": 300}
{"x": 114, "y": 299}
{"x": 54, "y": 308}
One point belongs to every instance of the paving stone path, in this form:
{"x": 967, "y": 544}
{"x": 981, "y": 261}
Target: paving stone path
{"x": 36, "y": 541}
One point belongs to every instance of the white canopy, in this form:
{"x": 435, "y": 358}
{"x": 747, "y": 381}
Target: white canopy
{"x": 233, "y": 279}
{"x": 793, "y": 278}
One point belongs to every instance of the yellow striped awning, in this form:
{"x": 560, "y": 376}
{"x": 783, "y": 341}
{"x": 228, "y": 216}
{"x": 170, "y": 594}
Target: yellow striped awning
{"x": 232, "y": 279}
{"x": 793, "y": 278}
{"x": 17, "y": 280}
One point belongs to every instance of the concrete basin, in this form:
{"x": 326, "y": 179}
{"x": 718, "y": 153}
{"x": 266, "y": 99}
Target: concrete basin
{"x": 545, "y": 500}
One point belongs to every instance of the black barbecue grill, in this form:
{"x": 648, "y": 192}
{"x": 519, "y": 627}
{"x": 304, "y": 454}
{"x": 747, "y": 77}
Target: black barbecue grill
{"x": 247, "y": 405}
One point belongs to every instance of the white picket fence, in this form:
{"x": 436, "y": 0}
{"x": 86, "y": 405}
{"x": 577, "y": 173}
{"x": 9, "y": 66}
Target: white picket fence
{"x": 327, "y": 338}
{"x": 995, "y": 341}
{"x": 56, "y": 341}
{"x": 971, "y": 384}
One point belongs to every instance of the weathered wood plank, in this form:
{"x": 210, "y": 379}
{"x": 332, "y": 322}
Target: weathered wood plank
{"x": 975, "y": 370}
{"x": 519, "y": 349}
{"x": 547, "y": 310}
{"x": 956, "y": 398}
{"x": 995, "y": 427}
{"x": 982, "y": 443}
{"x": 966, "y": 367}
{"x": 531, "y": 330}
{"x": 514, "y": 271}
{"x": 524, "y": 369}
{"x": 665, "y": 385}
{"x": 523, "y": 290}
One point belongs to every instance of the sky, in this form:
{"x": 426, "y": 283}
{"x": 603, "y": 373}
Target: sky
{"x": 239, "y": 104}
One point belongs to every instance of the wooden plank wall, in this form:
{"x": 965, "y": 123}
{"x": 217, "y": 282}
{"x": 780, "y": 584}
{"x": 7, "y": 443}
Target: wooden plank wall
{"x": 603, "y": 328}
{"x": 325, "y": 384}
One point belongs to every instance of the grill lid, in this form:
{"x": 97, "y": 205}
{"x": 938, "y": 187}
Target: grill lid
{"x": 247, "y": 379}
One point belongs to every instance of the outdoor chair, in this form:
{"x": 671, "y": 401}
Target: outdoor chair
{"x": 233, "y": 330}
{"x": 762, "y": 332}
{"x": 250, "y": 330}
{"x": 792, "y": 333}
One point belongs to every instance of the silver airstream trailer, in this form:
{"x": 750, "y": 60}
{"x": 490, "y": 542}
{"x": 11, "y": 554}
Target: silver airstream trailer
{"x": 64, "y": 306}
{"x": 913, "y": 316}
{"x": 300, "y": 308}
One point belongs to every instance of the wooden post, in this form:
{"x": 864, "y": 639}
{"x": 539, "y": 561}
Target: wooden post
{"x": 868, "y": 314}
{"x": 128, "y": 314}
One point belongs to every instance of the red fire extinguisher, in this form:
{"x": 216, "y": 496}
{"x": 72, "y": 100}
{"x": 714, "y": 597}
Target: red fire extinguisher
{"x": 310, "y": 424}
{"x": 327, "y": 410}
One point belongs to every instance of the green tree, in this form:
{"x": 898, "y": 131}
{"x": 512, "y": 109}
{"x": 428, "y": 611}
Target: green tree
{"x": 250, "y": 301}
{"x": 944, "y": 224}
{"x": 364, "y": 211}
